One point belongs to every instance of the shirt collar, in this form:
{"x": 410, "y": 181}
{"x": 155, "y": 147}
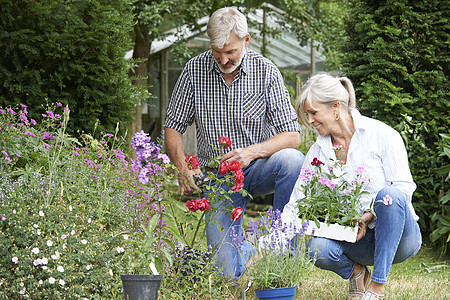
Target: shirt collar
{"x": 213, "y": 65}
{"x": 359, "y": 122}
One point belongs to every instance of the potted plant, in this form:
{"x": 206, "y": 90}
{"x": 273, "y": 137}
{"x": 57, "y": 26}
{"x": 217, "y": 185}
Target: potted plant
{"x": 278, "y": 265}
{"x": 148, "y": 240}
{"x": 330, "y": 200}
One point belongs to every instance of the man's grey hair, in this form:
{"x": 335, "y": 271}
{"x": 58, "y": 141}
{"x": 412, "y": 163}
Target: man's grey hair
{"x": 224, "y": 21}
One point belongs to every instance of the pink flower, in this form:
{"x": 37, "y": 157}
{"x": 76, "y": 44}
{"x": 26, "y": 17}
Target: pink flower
{"x": 387, "y": 200}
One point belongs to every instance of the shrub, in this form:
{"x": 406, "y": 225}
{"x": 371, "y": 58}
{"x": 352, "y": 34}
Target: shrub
{"x": 72, "y": 51}
{"x": 396, "y": 58}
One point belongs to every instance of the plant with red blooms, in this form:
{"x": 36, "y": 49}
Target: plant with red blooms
{"x": 192, "y": 162}
{"x": 237, "y": 213}
{"x": 224, "y": 142}
{"x": 231, "y": 174}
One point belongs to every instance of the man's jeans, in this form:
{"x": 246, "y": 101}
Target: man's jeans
{"x": 276, "y": 174}
{"x": 395, "y": 238}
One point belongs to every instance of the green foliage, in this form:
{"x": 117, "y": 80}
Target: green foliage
{"x": 72, "y": 51}
{"x": 396, "y": 58}
{"x": 441, "y": 218}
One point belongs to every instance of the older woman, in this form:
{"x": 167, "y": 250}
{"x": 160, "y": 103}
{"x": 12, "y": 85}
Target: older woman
{"x": 328, "y": 104}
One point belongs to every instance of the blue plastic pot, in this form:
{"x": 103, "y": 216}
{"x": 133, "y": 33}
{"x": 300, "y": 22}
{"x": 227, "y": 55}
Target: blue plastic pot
{"x": 286, "y": 293}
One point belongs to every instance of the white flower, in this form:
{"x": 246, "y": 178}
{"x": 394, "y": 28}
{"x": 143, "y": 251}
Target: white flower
{"x": 44, "y": 261}
{"x": 63, "y": 236}
{"x": 126, "y": 236}
{"x": 56, "y": 255}
{"x": 15, "y": 259}
{"x": 72, "y": 232}
{"x": 409, "y": 118}
{"x": 22, "y": 292}
{"x": 37, "y": 262}
{"x": 40, "y": 281}
{"x": 62, "y": 282}
{"x": 51, "y": 280}
{"x": 38, "y": 232}
{"x": 84, "y": 242}
{"x": 64, "y": 246}
{"x": 44, "y": 268}
{"x": 120, "y": 249}
{"x": 70, "y": 207}
{"x": 21, "y": 284}
{"x": 35, "y": 250}
{"x": 60, "y": 269}
{"x": 110, "y": 272}
{"x": 49, "y": 243}
{"x": 14, "y": 211}
{"x": 35, "y": 225}
{"x": 88, "y": 267}
{"x": 89, "y": 220}
{"x": 41, "y": 213}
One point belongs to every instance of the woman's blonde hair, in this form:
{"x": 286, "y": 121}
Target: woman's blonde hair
{"x": 326, "y": 89}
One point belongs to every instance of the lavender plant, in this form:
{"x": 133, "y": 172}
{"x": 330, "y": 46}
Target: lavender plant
{"x": 278, "y": 261}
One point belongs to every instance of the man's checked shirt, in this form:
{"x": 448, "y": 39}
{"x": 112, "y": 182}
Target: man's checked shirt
{"x": 253, "y": 109}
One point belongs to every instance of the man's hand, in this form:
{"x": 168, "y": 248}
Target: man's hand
{"x": 187, "y": 183}
{"x": 242, "y": 155}
{"x": 362, "y": 222}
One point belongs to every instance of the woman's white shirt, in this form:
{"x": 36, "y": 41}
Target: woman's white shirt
{"x": 376, "y": 147}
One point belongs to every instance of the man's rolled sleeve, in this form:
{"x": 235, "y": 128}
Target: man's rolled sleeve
{"x": 281, "y": 112}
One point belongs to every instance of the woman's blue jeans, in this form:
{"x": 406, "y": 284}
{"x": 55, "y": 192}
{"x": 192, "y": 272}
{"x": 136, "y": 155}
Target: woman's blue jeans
{"x": 276, "y": 174}
{"x": 395, "y": 238}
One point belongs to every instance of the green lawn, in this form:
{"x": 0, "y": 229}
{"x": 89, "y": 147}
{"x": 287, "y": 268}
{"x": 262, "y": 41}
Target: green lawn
{"x": 421, "y": 277}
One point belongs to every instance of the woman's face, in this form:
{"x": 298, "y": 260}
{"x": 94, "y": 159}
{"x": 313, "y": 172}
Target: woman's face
{"x": 321, "y": 116}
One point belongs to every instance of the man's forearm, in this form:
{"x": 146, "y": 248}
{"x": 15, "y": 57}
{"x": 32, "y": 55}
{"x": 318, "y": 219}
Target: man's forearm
{"x": 280, "y": 141}
{"x": 175, "y": 148}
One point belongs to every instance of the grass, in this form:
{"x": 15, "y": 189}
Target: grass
{"x": 421, "y": 277}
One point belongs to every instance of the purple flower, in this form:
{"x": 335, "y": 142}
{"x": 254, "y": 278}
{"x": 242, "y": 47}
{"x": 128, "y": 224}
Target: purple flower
{"x": 5, "y": 153}
{"x": 33, "y": 122}
{"x": 2, "y": 111}
{"x": 10, "y": 111}
{"x": 59, "y": 104}
{"x": 8, "y": 159}
{"x": 50, "y": 114}
{"x": 30, "y": 133}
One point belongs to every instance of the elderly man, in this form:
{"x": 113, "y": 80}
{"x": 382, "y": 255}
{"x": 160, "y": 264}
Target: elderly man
{"x": 234, "y": 92}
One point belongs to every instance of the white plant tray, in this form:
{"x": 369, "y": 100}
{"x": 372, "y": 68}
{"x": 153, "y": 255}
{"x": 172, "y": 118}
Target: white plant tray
{"x": 331, "y": 231}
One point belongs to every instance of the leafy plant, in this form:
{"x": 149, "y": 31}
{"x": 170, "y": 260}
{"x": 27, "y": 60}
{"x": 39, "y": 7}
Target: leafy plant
{"x": 327, "y": 195}
{"x": 441, "y": 218}
{"x": 395, "y": 57}
{"x": 276, "y": 261}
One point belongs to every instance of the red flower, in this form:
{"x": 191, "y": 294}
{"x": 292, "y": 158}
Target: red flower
{"x": 238, "y": 176}
{"x": 316, "y": 162}
{"x": 192, "y": 205}
{"x": 234, "y": 166}
{"x": 237, "y": 187}
{"x": 203, "y": 204}
{"x": 237, "y": 213}
{"x": 192, "y": 162}
{"x": 224, "y": 142}
{"x": 224, "y": 167}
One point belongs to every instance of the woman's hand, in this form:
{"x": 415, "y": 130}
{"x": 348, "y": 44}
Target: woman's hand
{"x": 362, "y": 223}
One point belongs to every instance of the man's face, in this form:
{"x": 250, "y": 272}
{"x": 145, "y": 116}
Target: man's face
{"x": 229, "y": 57}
